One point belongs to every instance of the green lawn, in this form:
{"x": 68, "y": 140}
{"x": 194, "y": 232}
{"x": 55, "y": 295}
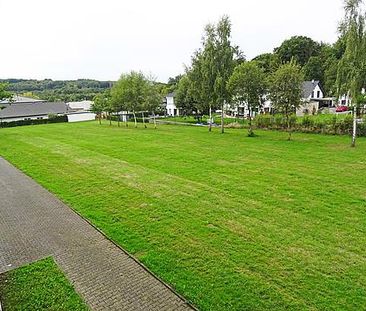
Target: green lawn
{"x": 233, "y": 223}
{"x": 38, "y": 286}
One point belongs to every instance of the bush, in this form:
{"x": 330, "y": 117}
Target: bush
{"x": 325, "y": 123}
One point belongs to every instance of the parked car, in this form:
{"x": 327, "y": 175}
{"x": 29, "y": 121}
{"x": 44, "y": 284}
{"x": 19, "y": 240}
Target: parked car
{"x": 342, "y": 109}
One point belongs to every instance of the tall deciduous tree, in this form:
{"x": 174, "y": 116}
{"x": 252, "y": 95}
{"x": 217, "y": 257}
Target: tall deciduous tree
{"x": 351, "y": 77}
{"x": 248, "y": 84}
{"x": 212, "y": 67}
{"x": 286, "y": 91}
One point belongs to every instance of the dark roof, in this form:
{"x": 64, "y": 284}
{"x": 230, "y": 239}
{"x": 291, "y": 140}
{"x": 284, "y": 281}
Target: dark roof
{"x": 32, "y": 109}
{"x": 308, "y": 88}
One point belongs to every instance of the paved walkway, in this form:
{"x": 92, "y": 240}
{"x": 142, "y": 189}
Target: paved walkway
{"x": 35, "y": 224}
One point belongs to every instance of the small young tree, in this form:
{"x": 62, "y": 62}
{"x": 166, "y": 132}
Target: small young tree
{"x": 247, "y": 84}
{"x": 100, "y": 105}
{"x": 153, "y": 98}
{"x": 286, "y": 91}
{"x": 129, "y": 90}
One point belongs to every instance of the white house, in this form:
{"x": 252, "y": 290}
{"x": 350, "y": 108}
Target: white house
{"x": 171, "y": 108}
{"x": 80, "y": 111}
{"x": 313, "y": 98}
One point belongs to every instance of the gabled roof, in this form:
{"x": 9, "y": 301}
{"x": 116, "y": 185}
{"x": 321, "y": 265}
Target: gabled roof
{"x": 32, "y": 109}
{"x": 308, "y": 88}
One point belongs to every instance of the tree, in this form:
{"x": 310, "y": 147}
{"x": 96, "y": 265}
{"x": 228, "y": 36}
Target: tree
{"x": 212, "y": 66}
{"x": 351, "y": 76}
{"x": 100, "y": 104}
{"x": 299, "y": 48}
{"x": 286, "y": 91}
{"x": 247, "y": 84}
{"x": 129, "y": 92}
{"x": 4, "y": 94}
{"x": 153, "y": 98}
{"x": 268, "y": 62}
{"x": 183, "y": 96}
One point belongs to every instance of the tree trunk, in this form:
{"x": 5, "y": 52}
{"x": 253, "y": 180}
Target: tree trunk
{"x": 143, "y": 120}
{"x": 354, "y": 132}
{"x": 110, "y": 119}
{"x": 100, "y": 118}
{"x": 154, "y": 120}
{"x": 118, "y": 119}
{"x": 134, "y": 117}
{"x": 222, "y": 118}
{"x": 210, "y": 120}
{"x": 288, "y": 126}
{"x": 250, "y": 131}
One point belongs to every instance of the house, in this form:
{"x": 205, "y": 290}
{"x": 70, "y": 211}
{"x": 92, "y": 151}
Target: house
{"x": 31, "y": 111}
{"x": 80, "y": 111}
{"x": 313, "y": 98}
{"x": 171, "y": 108}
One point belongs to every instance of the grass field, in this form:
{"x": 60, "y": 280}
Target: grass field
{"x": 233, "y": 223}
{"x": 38, "y": 286}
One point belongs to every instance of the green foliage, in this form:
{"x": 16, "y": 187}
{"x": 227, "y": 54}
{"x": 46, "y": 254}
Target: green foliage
{"x": 212, "y": 67}
{"x": 248, "y": 85}
{"x": 51, "y": 119}
{"x": 39, "y": 286}
{"x": 4, "y": 94}
{"x": 269, "y": 62}
{"x": 299, "y": 48}
{"x": 184, "y": 99}
{"x": 286, "y": 88}
{"x": 331, "y": 124}
{"x": 68, "y": 90}
{"x": 351, "y": 77}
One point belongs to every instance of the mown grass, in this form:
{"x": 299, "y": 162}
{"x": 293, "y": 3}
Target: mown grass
{"x": 38, "y": 286}
{"x": 233, "y": 223}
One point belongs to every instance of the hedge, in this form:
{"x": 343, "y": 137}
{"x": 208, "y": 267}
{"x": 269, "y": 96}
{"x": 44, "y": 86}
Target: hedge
{"x": 51, "y": 119}
{"x": 325, "y": 124}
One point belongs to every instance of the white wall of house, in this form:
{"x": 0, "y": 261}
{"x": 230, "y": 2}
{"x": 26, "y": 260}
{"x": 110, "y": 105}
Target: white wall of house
{"x": 171, "y": 108}
{"x": 317, "y": 93}
{"x": 79, "y": 117}
{"x": 25, "y": 118}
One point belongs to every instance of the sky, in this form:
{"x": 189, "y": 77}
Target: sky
{"x": 72, "y": 39}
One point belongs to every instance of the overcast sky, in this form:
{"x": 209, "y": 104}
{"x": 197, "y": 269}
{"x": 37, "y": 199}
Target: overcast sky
{"x": 71, "y": 39}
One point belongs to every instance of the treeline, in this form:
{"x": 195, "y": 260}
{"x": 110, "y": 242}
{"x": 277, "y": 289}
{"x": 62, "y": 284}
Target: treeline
{"x": 59, "y": 90}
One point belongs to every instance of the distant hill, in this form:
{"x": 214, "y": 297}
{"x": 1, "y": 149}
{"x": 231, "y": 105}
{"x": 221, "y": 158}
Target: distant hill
{"x": 58, "y": 90}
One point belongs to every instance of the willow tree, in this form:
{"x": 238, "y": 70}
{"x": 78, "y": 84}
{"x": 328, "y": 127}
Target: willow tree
{"x": 351, "y": 76}
{"x": 248, "y": 85}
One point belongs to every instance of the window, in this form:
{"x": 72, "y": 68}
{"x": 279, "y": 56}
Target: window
{"x": 312, "y": 94}
{"x": 318, "y": 95}
{"x": 39, "y": 118}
